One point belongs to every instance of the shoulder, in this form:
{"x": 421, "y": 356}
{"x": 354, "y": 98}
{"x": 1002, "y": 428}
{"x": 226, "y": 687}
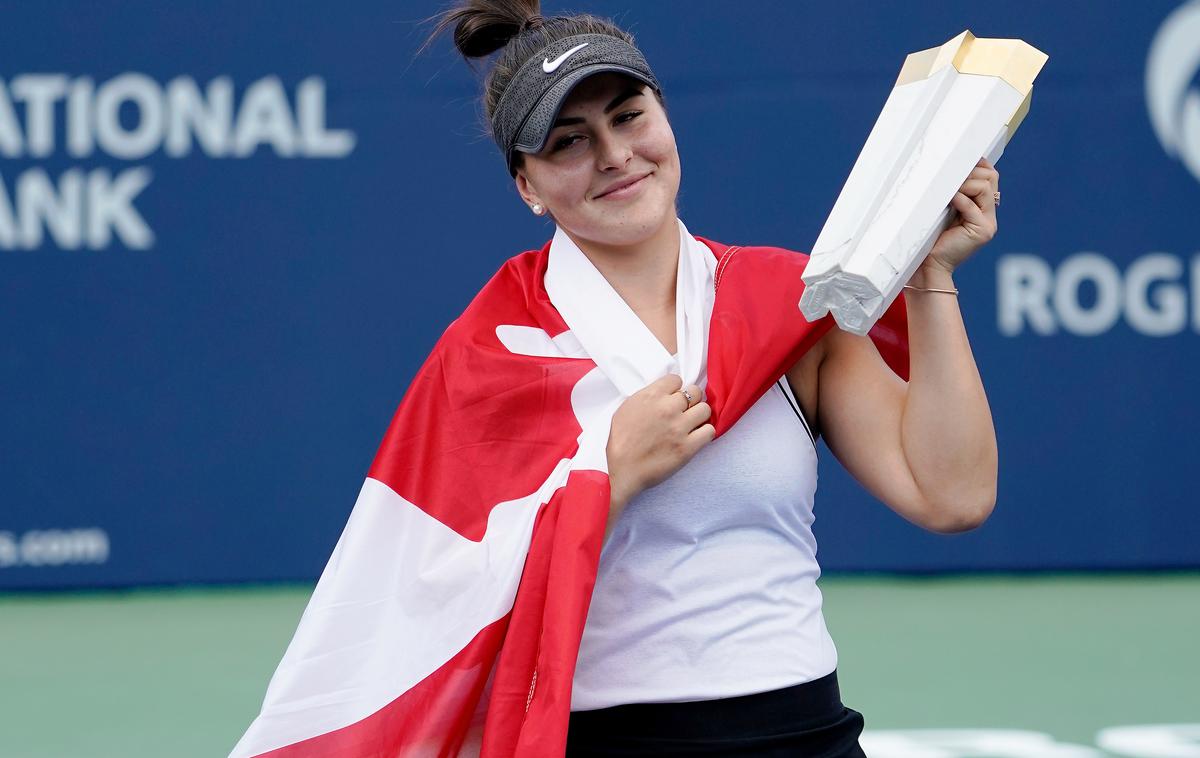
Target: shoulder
{"x": 514, "y": 295}
{"x": 760, "y": 255}
{"x": 721, "y": 247}
{"x": 778, "y": 269}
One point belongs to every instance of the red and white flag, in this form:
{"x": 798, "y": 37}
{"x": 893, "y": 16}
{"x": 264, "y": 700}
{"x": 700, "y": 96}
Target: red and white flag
{"x": 447, "y": 621}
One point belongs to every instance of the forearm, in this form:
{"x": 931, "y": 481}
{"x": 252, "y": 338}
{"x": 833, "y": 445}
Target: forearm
{"x": 947, "y": 433}
{"x": 616, "y": 504}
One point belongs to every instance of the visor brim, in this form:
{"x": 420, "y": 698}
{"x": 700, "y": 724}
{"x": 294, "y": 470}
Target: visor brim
{"x": 532, "y": 136}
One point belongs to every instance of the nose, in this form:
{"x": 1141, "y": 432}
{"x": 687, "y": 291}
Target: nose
{"x": 612, "y": 151}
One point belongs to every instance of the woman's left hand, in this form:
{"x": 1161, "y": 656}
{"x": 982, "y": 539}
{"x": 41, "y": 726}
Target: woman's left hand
{"x": 975, "y": 202}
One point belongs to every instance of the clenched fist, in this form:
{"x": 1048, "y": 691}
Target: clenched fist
{"x": 654, "y": 433}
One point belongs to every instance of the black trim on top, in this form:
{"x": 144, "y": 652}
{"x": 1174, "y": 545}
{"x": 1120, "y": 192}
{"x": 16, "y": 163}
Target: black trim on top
{"x": 795, "y": 409}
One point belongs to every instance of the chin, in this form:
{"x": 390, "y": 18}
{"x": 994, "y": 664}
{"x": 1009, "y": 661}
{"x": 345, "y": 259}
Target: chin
{"x": 630, "y": 230}
{"x": 635, "y": 225}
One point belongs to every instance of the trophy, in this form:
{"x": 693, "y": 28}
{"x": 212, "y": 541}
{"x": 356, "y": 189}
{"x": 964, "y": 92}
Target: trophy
{"x": 950, "y": 106}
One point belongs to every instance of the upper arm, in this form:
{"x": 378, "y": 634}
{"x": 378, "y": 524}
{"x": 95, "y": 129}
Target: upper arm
{"x": 860, "y": 405}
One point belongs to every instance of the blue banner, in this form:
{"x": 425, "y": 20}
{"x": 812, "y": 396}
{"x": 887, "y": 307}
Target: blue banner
{"x": 231, "y": 232}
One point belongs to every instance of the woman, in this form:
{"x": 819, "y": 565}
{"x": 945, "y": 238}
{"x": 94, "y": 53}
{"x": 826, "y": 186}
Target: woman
{"x": 690, "y": 647}
{"x": 608, "y": 174}
{"x": 704, "y": 634}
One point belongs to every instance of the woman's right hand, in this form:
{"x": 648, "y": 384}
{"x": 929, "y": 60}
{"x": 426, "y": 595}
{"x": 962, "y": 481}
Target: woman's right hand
{"x": 653, "y": 434}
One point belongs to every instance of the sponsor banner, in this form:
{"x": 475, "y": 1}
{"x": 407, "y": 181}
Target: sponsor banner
{"x": 229, "y": 236}
{"x": 89, "y": 208}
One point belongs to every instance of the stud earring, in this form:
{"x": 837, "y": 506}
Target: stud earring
{"x": 537, "y": 209}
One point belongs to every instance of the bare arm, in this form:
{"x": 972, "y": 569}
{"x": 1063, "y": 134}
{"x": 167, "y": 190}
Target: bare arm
{"x": 926, "y": 448}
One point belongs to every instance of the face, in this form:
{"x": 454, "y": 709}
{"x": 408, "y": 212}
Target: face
{"x": 611, "y": 130}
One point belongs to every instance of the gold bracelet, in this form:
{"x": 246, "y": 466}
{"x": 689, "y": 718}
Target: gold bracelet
{"x": 930, "y": 289}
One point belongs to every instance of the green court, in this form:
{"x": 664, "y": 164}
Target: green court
{"x": 181, "y": 672}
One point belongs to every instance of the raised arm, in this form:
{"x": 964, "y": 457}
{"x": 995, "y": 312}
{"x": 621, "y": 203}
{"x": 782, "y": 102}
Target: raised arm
{"x": 926, "y": 448}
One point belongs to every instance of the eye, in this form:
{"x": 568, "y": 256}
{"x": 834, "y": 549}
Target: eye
{"x": 628, "y": 116}
{"x": 564, "y": 142}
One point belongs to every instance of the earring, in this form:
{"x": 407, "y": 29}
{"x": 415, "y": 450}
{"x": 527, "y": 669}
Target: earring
{"x": 537, "y": 209}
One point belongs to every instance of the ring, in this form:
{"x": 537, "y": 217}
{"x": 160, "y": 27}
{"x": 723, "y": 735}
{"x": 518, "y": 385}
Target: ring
{"x": 996, "y": 197}
{"x": 687, "y": 395}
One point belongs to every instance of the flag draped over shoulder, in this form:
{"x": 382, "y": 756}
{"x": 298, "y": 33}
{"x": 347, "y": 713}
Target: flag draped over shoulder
{"x": 448, "y": 619}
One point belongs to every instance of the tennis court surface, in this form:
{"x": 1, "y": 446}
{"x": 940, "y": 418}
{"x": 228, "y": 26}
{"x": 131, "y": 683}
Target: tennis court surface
{"x": 980, "y": 667}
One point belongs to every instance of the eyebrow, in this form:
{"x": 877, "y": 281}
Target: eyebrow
{"x": 631, "y": 92}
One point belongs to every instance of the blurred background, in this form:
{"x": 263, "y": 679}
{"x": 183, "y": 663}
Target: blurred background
{"x": 231, "y": 232}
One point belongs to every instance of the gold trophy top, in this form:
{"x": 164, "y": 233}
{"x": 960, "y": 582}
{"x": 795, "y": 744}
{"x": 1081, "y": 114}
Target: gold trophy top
{"x": 1013, "y": 60}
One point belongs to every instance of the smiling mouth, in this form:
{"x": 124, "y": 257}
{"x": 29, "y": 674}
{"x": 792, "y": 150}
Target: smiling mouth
{"x": 634, "y": 183}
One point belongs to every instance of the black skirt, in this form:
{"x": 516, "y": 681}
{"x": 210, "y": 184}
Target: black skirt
{"x": 806, "y": 720}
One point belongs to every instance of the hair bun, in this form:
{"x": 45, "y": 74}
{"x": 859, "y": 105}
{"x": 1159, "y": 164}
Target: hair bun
{"x": 481, "y": 27}
{"x": 517, "y": 29}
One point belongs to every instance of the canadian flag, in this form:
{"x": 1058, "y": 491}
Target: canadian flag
{"x": 447, "y": 621}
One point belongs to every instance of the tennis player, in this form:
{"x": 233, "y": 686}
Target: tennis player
{"x": 705, "y": 634}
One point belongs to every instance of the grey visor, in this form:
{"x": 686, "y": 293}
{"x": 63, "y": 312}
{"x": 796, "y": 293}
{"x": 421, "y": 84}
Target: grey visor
{"x": 534, "y": 97}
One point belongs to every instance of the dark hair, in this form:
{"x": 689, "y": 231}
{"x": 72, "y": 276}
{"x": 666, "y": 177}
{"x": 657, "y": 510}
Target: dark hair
{"x": 515, "y": 28}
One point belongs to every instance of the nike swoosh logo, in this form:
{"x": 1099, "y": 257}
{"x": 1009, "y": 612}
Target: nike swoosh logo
{"x": 551, "y": 66}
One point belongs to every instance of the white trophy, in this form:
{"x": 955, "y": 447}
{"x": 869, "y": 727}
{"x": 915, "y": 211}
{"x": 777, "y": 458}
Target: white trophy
{"x": 950, "y": 106}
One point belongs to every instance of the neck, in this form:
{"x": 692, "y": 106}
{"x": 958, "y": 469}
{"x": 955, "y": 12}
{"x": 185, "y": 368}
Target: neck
{"x": 643, "y": 274}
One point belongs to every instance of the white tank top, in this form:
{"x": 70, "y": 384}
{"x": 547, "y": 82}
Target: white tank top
{"x": 707, "y": 585}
